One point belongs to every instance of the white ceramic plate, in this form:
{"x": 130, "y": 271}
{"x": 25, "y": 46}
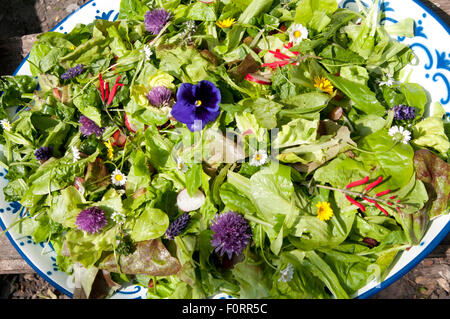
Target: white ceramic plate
{"x": 431, "y": 45}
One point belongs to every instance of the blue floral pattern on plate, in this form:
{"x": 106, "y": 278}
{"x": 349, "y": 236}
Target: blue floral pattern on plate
{"x": 432, "y": 72}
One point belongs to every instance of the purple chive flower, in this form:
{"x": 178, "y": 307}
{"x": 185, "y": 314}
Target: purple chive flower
{"x": 178, "y": 226}
{"x": 89, "y": 127}
{"x": 156, "y": 20}
{"x": 73, "y": 72}
{"x": 232, "y": 234}
{"x": 91, "y": 220}
{"x": 404, "y": 112}
{"x": 159, "y": 96}
{"x": 43, "y": 153}
{"x": 197, "y": 105}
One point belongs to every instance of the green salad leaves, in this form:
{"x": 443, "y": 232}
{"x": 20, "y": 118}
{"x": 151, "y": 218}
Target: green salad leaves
{"x": 264, "y": 149}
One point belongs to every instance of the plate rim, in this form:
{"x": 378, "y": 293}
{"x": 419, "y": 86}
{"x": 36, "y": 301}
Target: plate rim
{"x": 365, "y": 295}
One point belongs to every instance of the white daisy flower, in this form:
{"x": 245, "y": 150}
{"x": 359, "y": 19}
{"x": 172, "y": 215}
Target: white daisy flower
{"x": 147, "y": 51}
{"x": 181, "y": 166}
{"x": 259, "y": 158}
{"x": 399, "y": 134}
{"x": 298, "y": 33}
{"x": 119, "y": 218}
{"x": 5, "y": 125}
{"x": 75, "y": 153}
{"x": 118, "y": 178}
{"x": 389, "y": 82}
{"x": 287, "y": 273}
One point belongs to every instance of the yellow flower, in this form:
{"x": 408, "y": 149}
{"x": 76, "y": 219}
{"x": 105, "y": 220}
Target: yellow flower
{"x": 226, "y": 23}
{"x": 323, "y": 84}
{"x": 324, "y": 211}
{"x": 110, "y": 149}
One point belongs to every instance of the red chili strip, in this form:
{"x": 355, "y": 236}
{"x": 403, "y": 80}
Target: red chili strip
{"x": 382, "y": 209}
{"x": 114, "y": 91}
{"x": 357, "y": 183}
{"x": 387, "y": 191}
{"x": 369, "y": 200}
{"x": 389, "y": 203}
{"x": 354, "y": 202}
{"x": 398, "y": 202}
{"x": 102, "y": 88}
{"x": 290, "y": 45}
{"x": 106, "y": 91}
{"x": 372, "y": 185}
{"x": 392, "y": 197}
{"x": 275, "y": 64}
{"x": 57, "y": 94}
{"x": 280, "y": 55}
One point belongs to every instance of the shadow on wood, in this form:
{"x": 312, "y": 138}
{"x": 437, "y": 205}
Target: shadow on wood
{"x": 13, "y": 51}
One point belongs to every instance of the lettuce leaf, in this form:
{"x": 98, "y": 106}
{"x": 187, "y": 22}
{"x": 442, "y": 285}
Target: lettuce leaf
{"x": 430, "y": 133}
{"x": 435, "y": 173}
{"x": 150, "y": 258}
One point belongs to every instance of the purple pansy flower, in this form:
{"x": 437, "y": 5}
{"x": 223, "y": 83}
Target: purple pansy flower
{"x": 91, "y": 220}
{"x": 159, "y": 96}
{"x": 178, "y": 226}
{"x": 232, "y": 234}
{"x": 155, "y": 20}
{"x": 73, "y": 72}
{"x": 89, "y": 127}
{"x": 43, "y": 153}
{"x": 404, "y": 112}
{"x": 197, "y": 105}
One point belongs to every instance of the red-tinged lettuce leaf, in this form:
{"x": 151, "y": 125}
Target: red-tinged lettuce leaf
{"x": 414, "y": 224}
{"x": 248, "y": 65}
{"x": 435, "y": 174}
{"x": 150, "y": 258}
{"x": 97, "y": 175}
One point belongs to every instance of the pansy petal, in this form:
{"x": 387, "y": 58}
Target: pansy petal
{"x": 202, "y": 117}
{"x": 209, "y": 94}
{"x": 186, "y": 93}
{"x": 198, "y": 125}
{"x": 202, "y": 114}
{"x": 183, "y": 112}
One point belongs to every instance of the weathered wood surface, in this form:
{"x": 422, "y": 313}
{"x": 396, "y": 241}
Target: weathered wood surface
{"x": 10, "y": 260}
{"x": 432, "y": 273}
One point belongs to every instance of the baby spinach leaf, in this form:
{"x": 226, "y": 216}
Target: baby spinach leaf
{"x": 231, "y": 197}
{"x": 382, "y": 158}
{"x": 57, "y": 174}
{"x": 363, "y": 98}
